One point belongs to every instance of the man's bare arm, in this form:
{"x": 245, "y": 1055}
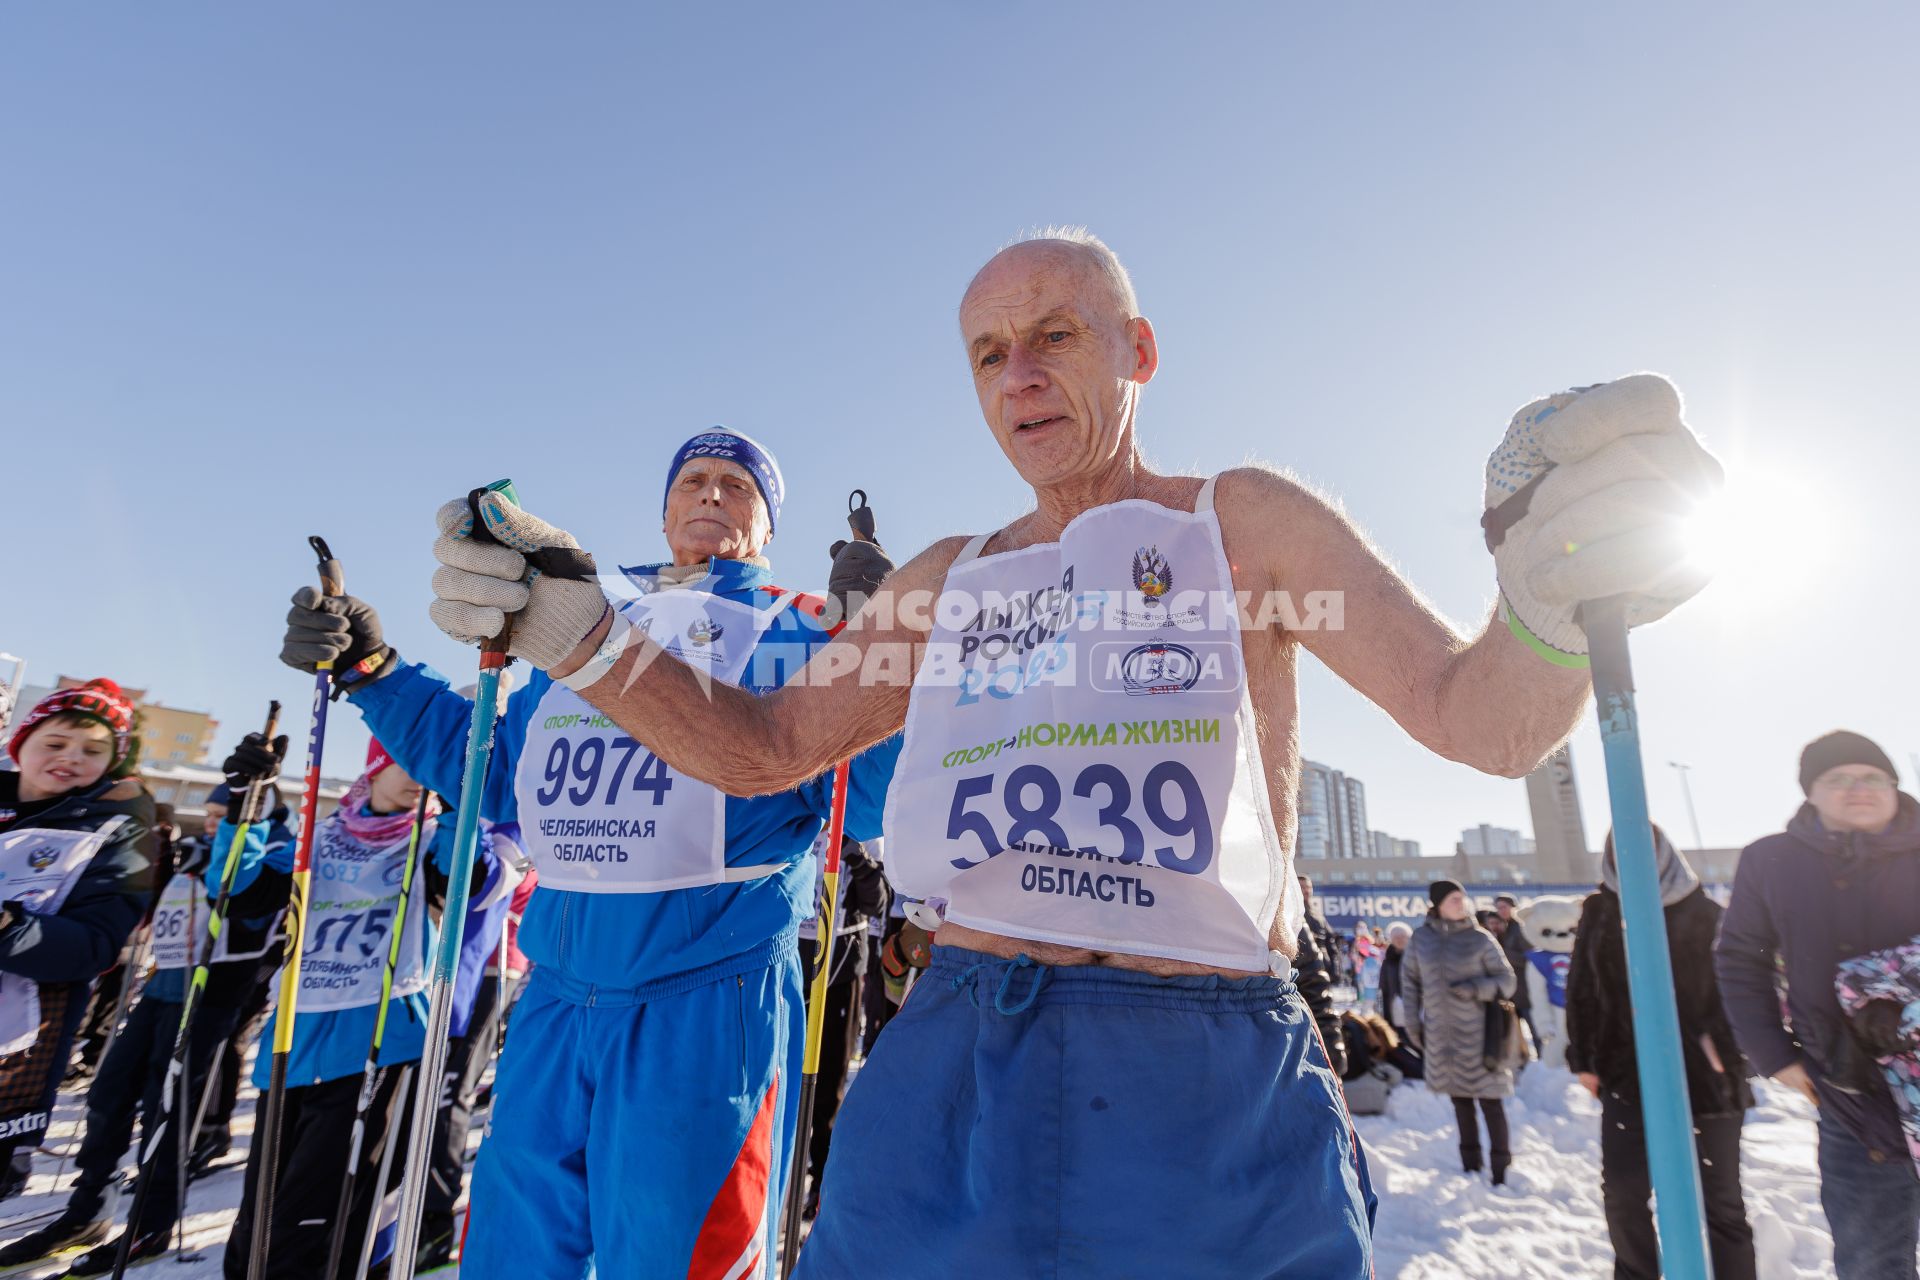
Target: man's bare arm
{"x": 1488, "y": 702}
{"x": 747, "y": 745}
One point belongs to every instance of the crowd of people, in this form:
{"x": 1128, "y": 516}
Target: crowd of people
{"x": 1103, "y": 960}
{"x": 1807, "y": 976}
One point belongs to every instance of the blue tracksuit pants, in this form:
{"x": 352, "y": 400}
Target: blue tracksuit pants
{"x": 645, "y": 1131}
{"x": 1090, "y": 1123}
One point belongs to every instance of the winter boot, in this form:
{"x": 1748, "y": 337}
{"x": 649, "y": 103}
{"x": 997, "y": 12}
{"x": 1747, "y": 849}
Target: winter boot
{"x": 99, "y": 1262}
{"x": 1498, "y": 1161}
{"x": 86, "y": 1221}
{"x": 13, "y": 1179}
{"x": 213, "y": 1144}
{"x": 1469, "y": 1158}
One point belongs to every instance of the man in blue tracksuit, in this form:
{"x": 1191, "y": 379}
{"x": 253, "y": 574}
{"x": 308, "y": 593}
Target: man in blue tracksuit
{"x": 647, "y": 1103}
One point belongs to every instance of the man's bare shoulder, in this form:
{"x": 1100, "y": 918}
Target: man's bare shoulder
{"x": 1274, "y": 518}
{"x": 927, "y": 570}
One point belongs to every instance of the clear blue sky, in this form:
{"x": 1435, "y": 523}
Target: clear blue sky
{"x": 275, "y": 271}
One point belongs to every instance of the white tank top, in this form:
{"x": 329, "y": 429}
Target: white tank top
{"x": 599, "y": 813}
{"x": 1080, "y": 764}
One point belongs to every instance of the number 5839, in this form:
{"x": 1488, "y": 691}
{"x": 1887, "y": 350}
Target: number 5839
{"x": 1031, "y": 796}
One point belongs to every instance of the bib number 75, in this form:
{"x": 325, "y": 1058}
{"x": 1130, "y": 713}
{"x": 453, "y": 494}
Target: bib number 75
{"x": 1031, "y": 796}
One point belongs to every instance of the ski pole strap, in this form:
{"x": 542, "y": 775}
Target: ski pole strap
{"x": 568, "y": 563}
{"x": 1495, "y": 521}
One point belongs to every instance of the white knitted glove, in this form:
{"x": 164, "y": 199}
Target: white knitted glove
{"x": 1604, "y": 478}
{"x": 479, "y": 584}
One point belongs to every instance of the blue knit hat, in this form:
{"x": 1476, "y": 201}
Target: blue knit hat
{"x": 734, "y": 447}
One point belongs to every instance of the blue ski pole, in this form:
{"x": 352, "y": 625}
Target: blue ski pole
{"x": 446, "y": 958}
{"x": 1679, "y": 1208}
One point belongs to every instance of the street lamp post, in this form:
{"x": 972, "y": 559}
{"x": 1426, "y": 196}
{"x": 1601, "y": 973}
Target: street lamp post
{"x": 1687, "y": 790}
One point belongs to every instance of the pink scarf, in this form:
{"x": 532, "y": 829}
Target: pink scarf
{"x": 376, "y": 829}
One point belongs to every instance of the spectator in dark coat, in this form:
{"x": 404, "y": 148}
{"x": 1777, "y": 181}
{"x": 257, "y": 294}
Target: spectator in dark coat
{"x": 1325, "y": 940}
{"x": 1312, "y": 975}
{"x": 1513, "y": 939}
{"x": 1392, "y": 1004}
{"x": 1843, "y": 879}
{"x": 1600, "y": 1050}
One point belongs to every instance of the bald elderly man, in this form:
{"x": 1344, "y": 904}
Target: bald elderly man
{"x": 1107, "y": 1070}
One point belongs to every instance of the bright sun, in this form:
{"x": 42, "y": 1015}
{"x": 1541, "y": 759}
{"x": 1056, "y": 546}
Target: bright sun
{"x": 1756, "y": 534}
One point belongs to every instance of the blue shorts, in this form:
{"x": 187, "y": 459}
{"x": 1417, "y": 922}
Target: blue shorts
{"x": 647, "y": 1131}
{"x": 1090, "y": 1123}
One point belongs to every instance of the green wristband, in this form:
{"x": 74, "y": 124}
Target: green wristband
{"x": 1558, "y": 657}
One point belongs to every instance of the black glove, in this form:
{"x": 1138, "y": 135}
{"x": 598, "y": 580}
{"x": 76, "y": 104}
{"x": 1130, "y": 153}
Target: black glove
{"x": 858, "y": 570}
{"x": 254, "y": 760}
{"x": 1877, "y": 1028}
{"x": 866, "y": 883}
{"x": 342, "y": 628}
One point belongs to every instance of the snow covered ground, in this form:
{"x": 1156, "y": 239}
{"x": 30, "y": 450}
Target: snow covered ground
{"x": 1435, "y": 1222}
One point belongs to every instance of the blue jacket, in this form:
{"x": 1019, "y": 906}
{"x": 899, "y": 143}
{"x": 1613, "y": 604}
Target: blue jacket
{"x": 333, "y": 1044}
{"x": 1807, "y": 899}
{"x": 578, "y": 940}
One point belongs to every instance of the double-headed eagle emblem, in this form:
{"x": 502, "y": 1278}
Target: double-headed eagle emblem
{"x": 1152, "y": 574}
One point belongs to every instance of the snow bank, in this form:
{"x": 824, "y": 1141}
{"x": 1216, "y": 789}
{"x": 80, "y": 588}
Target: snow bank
{"x": 1437, "y": 1223}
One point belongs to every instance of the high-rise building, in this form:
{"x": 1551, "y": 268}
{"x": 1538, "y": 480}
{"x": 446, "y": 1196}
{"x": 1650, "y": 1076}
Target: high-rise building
{"x": 1315, "y": 832}
{"x": 1386, "y": 846}
{"x": 1332, "y": 814}
{"x": 1559, "y": 833}
{"x": 1358, "y": 841}
{"x": 1485, "y": 841}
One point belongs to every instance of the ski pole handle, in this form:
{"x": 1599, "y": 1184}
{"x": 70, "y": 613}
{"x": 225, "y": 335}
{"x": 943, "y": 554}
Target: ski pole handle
{"x": 333, "y": 580}
{"x": 860, "y": 517}
{"x": 493, "y": 650}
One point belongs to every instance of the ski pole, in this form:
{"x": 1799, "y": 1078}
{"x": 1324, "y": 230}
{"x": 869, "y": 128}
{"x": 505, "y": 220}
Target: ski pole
{"x": 369, "y": 1075}
{"x": 824, "y": 934}
{"x": 402, "y": 1097}
{"x": 332, "y": 583}
{"x": 250, "y": 807}
{"x": 1679, "y": 1208}
{"x": 446, "y": 960}
{"x": 503, "y": 997}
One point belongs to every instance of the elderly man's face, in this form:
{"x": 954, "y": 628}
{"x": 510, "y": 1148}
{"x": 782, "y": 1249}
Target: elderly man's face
{"x": 1055, "y": 359}
{"x": 715, "y": 511}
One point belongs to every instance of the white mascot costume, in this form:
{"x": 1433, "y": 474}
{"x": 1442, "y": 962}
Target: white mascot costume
{"x": 1549, "y": 923}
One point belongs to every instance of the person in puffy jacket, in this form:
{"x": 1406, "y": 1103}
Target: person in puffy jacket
{"x": 1453, "y": 970}
{"x": 1600, "y": 1050}
{"x": 1842, "y": 880}
{"x": 76, "y": 856}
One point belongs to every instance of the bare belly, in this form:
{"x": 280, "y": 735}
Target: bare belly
{"x": 997, "y": 944}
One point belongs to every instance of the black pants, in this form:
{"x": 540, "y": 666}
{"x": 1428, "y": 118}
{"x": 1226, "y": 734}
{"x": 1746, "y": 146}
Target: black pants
{"x": 1496, "y": 1113}
{"x": 130, "y": 1081}
{"x": 837, "y": 1034}
{"x": 316, "y": 1131}
{"x": 251, "y": 1016}
{"x": 467, "y": 1059}
{"x": 1627, "y": 1187}
{"x": 97, "y": 1027}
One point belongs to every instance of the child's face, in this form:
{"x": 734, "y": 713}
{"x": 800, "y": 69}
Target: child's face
{"x": 59, "y": 757}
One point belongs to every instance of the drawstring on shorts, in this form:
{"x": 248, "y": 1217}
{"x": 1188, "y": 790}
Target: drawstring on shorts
{"x": 965, "y": 978}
